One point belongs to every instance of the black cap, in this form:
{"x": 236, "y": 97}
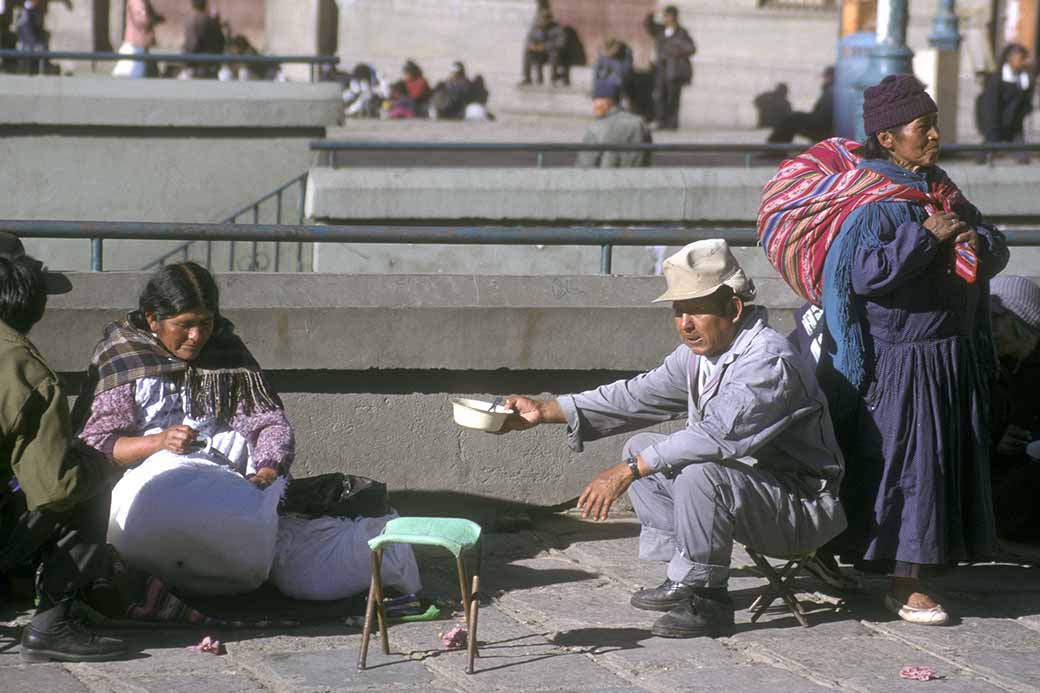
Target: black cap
{"x": 11, "y": 247}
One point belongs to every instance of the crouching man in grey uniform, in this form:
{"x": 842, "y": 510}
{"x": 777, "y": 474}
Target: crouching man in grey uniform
{"x": 756, "y": 463}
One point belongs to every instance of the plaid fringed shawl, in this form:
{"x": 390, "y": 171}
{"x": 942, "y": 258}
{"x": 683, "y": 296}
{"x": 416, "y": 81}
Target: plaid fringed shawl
{"x": 223, "y": 377}
{"x": 811, "y": 195}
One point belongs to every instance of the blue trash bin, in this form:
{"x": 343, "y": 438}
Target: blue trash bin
{"x": 852, "y": 62}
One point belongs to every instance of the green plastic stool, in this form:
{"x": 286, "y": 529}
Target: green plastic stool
{"x": 454, "y": 534}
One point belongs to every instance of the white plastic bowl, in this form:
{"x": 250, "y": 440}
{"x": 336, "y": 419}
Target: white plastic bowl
{"x": 473, "y": 413}
{"x": 1033, "y": 450}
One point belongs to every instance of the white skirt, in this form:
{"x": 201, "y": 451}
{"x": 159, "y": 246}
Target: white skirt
{"x": 133, "y": 69}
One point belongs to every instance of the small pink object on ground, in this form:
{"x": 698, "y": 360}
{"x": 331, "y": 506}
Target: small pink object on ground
{"x": 209, "y": 645}
{"x": 455, "y": 638}
{"x": 918, "y": 674}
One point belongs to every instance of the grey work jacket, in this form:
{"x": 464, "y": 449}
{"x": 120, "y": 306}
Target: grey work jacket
{"x": 617, "y": 127}
{"x": 761, "y": 406}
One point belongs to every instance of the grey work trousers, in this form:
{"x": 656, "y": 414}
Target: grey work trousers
{"x": 691, "y": 520}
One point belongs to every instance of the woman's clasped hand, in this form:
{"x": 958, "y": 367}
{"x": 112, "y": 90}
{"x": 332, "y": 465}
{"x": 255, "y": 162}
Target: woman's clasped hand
{"x": 176, "y": 439}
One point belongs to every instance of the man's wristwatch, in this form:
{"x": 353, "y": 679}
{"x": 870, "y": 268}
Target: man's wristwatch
{"x": 633, "y": 465}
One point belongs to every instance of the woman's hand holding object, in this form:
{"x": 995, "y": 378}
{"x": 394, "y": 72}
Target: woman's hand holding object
{"x": 176, "y": 439}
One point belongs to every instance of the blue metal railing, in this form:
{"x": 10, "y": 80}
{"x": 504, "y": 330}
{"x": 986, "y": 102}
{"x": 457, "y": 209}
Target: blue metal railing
{"x": 183, "y": 58}
{"x": 749, "y": 150}
{"x": 606, "y": 237}
{"x": 183, "y": 251}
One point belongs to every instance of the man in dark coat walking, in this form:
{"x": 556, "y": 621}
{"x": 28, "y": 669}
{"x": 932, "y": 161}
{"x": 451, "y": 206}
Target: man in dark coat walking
{"x": 673, "y": 69}
{"x": 203, "y": 34}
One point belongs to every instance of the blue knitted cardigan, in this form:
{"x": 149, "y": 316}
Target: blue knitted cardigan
{"x": 845, "y": 318}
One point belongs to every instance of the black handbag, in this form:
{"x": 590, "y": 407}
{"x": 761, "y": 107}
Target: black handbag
{"x": 336, "y": 495}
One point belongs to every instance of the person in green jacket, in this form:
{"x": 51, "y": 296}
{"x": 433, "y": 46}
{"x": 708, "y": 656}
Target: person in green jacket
{"x": 53, "y": 493}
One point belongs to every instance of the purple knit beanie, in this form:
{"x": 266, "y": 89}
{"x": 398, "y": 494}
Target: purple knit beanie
{"x": 898, "y": 100}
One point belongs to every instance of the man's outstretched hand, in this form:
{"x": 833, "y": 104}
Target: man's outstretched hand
{"x": 600, "y": 494}
{"x": 530, "y": 413}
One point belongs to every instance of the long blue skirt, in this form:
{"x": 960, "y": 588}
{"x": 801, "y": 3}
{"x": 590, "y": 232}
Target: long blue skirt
{"x": 918, "y": 481}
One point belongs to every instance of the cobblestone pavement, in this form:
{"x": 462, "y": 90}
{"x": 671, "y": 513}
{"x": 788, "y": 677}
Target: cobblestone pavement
{"x": 556, "y": 618}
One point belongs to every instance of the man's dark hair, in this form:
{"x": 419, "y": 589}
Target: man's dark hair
{"x": 672, "y": 10}
{"x": 23, "y": 292}
{"x": 177, "y": 289}
{"x": 199, "y": 5}
{"x": 1010, "y": 49}
{"x": 722, "y": 299}
{"x": 412, "y": 69}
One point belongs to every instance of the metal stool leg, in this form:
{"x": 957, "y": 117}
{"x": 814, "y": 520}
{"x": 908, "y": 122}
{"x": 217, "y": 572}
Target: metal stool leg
{"x": 778, "y": 587}
{"x": 377, "y": 567}
{"x": 463, "y": 589}
{"x": 769, "y": 595}
{"x": 474, "y": 609}
{"x": 366, "y": 634}
{"x": 790, "y": 571}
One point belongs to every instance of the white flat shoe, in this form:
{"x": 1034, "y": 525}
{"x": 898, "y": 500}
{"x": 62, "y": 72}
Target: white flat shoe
{"x": 935, "y": 616}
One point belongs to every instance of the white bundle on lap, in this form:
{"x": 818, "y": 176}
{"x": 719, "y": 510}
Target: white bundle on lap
{"x": 196, "y": 525}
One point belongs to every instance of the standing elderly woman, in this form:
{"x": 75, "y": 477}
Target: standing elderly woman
{"x": 905, "y": 297}
{"x": 174, "y": 372}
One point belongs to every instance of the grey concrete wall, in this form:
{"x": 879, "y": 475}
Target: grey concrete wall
{"x": 367, "y": 364}
{"x": 294, "y": 31}
{"x": 151, "y": 150}
{"x": 558, "y": 194}
{"x": 124, "y": 177}
{"x": 101, "y": 101}
{"x": 670, "y": 195}
{"x": 601, "y": 195}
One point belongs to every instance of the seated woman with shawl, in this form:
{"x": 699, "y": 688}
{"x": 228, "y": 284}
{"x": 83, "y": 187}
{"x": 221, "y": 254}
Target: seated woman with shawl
{"x": 175, "y": 397}
{"x": 174, "y": 375}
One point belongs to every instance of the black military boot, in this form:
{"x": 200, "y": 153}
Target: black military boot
{"x": 664, "y": 597}
{"x": 66, "y": 640}
{"x": 707, "y": 613}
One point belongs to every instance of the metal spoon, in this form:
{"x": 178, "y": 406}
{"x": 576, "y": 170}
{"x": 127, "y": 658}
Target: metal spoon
{"x": 495, "y": 402}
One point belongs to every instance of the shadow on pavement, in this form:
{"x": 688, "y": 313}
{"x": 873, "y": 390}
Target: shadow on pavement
{"x": 602, "y": 640}
{"x": 508, "y": 577}
{"x": 567, "y": 530}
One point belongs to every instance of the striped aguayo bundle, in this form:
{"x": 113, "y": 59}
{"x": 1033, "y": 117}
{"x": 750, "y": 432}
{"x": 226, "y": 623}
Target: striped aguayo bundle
{"x": 811, "y": 195}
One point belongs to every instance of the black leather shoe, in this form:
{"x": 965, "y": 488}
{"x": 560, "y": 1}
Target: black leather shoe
{"x": 68, "y": 641}
{"x": 708, "y": 613}
{"x": 664, "y": 597}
